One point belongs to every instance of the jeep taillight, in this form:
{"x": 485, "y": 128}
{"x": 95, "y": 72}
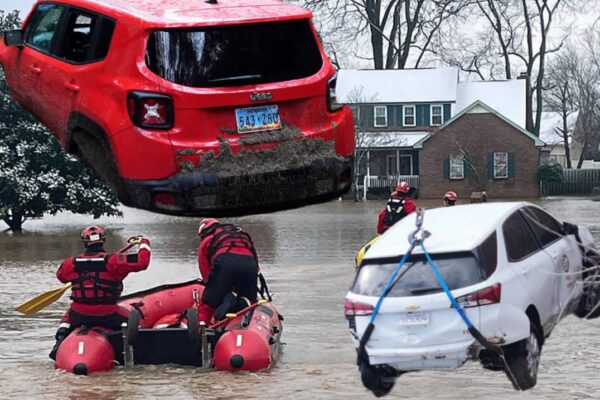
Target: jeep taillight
{"x": 357, "y": 309}
{"x": 150, "y": 110}
{"x": 483, "y": 297}
{"x": 332, "y": 104}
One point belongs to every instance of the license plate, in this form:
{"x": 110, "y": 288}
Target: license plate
{"x": 254, "y": 119}
{"x": 411, "y": 319}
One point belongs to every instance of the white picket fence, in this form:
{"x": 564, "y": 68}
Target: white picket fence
{"x": 380, "y": 182}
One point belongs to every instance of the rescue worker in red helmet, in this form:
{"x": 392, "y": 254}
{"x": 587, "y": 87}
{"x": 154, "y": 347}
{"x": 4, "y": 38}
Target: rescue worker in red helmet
{"x": 398, "y": 206}
{"x": 450, "y": 198}
{"x": 228, "y": 262}
{"x": 97, "y": 283}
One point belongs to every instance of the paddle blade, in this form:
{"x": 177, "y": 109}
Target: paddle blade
{"x": 42, "y": 301}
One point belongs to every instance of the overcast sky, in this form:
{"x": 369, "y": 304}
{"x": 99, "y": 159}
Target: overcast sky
{"x": 22, "y": 5}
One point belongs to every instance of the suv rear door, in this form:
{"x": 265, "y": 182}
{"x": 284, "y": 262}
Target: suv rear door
{"x": 217, "y": 71}
{"x": 416, "y": 311}
{"x": 83, "y": 41}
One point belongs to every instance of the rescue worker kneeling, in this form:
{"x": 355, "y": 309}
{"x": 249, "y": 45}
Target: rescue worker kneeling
{"x": 228, "y": 263}
{"x": 97, "y": 282}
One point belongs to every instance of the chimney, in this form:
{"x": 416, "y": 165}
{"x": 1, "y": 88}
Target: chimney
{"x": 522, "y": 75}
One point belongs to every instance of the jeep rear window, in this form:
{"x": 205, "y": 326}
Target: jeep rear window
{"x": 417, "y": 277}
{"x": 235, "y": 55}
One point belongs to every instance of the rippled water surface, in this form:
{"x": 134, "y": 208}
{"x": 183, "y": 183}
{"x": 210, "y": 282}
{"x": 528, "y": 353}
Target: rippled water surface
{"x": 307, "y": 256}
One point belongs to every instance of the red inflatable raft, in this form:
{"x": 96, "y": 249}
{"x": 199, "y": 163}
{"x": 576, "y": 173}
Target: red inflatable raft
{"x": 156, "y": 334}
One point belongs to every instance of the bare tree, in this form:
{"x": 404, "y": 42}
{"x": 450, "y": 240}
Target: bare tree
{"x": 576, "y": 78}
{"x": 398, "y": 31}
{"x": 517, "y": 37}
{"x": 559, "y": 92}
{"x": 364, "y": 139}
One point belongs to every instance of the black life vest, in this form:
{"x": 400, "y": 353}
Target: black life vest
{"x": 394, "y": 212}
{"x": 94, "y": 286}
{"x": 229, "y": 237}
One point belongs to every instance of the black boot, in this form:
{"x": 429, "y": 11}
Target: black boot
{"x": 61, "y": 334}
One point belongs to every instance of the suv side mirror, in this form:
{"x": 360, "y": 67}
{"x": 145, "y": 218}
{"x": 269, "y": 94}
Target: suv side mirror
{"x": 570, "y": 229}
{"x": 13, "y": 38}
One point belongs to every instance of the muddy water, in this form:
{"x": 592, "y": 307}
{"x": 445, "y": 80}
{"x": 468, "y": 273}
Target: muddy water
{"x": 307, "y": 256}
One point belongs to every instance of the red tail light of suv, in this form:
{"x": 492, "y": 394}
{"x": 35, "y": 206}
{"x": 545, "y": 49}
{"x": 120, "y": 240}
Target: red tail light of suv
{"x": 187, "y": 108}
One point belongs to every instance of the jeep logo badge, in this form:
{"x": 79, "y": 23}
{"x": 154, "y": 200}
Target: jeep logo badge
{"x": 256, "y": 96}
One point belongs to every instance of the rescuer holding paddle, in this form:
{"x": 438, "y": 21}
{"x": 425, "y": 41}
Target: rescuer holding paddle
{"x": 96, "y": 279}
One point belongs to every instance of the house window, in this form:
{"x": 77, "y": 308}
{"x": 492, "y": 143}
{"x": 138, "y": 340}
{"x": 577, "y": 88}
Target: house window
{"x": 457, "y": 167}
{"x": 409, "y": 116}
{"x": 500, "y": 165}
{"x": 356, "y": 114}
{"x": 380, "y": 116}
{"x": 437, "y": 115}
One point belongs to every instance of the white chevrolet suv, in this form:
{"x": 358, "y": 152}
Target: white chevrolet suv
{"x": 514, "y": 270}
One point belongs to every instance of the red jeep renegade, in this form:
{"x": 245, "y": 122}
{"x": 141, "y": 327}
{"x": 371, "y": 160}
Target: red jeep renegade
{"x": 187, "y": 107}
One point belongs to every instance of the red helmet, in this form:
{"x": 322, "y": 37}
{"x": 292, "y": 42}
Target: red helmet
{"x": 450, "y": 196}
{"x": 402, "y": 187}
{"x": 205, "y": 226}
{"x": 92, "y": 235}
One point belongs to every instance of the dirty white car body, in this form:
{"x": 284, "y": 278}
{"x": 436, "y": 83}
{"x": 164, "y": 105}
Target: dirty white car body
{"x": 509, "y": 265}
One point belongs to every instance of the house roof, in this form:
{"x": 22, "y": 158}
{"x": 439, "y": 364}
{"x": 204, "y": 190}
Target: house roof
{"x": 475, "y": 222}
{"x": 384, "y": 140}
{"x": 408, "y": 86}
{"x": 480, "y": 107}
{"x": 397, "y": 85}
{"x": 506, "y": 97}
{"x": 552, "y": 120}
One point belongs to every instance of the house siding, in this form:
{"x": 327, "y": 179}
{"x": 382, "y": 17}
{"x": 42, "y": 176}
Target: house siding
{"x": 480, "y": 134}
{"x": 395, "y": 114}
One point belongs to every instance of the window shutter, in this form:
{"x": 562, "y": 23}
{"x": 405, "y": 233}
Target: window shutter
{"x": 490, "y": 166}
{"x": 366, "y": 117}
{"x": 447, "y": 112}
{"x": 446, "y": 168}
{"x": 399, "y": 116}
{"x": 511, "y": 164}
{"x": 391, "y": 116}
{"x": 466, "y": 169}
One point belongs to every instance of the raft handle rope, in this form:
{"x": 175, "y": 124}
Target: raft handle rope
{"x": 417, "y": 238}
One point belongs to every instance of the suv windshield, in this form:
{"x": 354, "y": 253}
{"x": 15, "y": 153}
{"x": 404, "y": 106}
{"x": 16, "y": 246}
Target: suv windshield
{"x": 235, "y": 55}
{"x": 417, "y": 277}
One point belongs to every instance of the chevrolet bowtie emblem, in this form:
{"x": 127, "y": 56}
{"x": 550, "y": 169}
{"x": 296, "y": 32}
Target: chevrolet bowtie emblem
{"x": 412, "y": 307}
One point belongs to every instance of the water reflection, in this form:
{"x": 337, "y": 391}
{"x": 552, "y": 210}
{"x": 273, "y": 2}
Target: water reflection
{"x": 307, "y": 255}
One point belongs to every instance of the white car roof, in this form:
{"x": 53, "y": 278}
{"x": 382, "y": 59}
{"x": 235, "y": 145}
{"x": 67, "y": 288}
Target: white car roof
{"x": 453, "y": 229}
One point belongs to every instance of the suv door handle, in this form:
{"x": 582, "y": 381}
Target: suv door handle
{"x": 35, "y": 69}
{"x": 71, "y": 87}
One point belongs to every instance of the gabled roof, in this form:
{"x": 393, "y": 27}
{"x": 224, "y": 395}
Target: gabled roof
{"x": 397, "y": 85}
{"x": 384, "y": 140}
{"x": 481, "y": 107}
{"x": 475, "y": 222}
{"x": 506, "y": 97}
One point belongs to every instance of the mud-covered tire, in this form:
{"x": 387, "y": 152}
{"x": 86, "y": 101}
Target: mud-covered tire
{"x": 191, "y": 315}
{"x": 133, "y": 326}
{"x": 97, "y": 155}
{"x": 523, "y": 359}
{"x": 375, "y": 380}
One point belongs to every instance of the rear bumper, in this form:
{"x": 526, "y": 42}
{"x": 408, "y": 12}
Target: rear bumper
{"x": 446, "y": 356}
{"x": 206, "y": 193}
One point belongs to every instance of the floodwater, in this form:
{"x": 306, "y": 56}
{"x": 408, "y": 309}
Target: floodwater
{"x": 307, "y": 256}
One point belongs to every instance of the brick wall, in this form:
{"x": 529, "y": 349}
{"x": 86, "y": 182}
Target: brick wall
{"x": 479, "y": 134}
